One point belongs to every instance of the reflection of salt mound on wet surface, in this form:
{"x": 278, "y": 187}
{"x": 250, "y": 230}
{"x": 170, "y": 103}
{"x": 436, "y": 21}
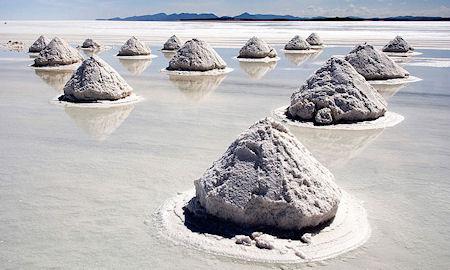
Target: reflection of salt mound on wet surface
{"x": 168, "y": 55}
{"x": 266, "y": 199}
{"x": 57, "y": 53}
{"x": 256, "y": 48}
{"x": 196, "y": 87}
{"x": 297, "y": 58}
{"x": 172, "y": 44}
{"x": 55, "y": 78}
{"x": 388, "y": 90}
{"x": 135, "y": 66}
{"x": 397, "y": 45}
{"x": 257, "y": 70}
{"x": 95, "y": 81}
{"x": 39, "y": 44}
{"x": 99, "y": 123}
{"x": 134, "y": 47}
{"x": 334, "y": 148}
{"x": 334, "y": 94}
{"x": 373, "y": 64}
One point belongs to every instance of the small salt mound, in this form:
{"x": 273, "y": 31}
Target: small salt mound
{"x": 90, "y": 44}
{"x": 373, "y": 64}
{"x": 93, "y": 81}
{"x": 196, "y": 55}
{"x": 134, "y": 47}
{"x": 297, "y": 43}
{"x": 58, "y": 52}
{"x": 267, "y": 178}
{"x": 314, "y": 40}
{"x": 172, "y": 44}
{"x": 257, "y": 48}
{"x": 398, "y": 45}
{"x": 39, "y": 44}
{"x": 336, "y": 93}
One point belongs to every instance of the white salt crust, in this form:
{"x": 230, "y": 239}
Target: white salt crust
{"x": 131, "y": 99}
{"x": 198, "y": 73}
{"x": 101, "y": 49}
{"x": 147, "y": 56}
{"x": 60, "y": 67}
{"x": 167, "y": 51}
{"x": 402, "y": 54}
{"x": 261, "y": 60}
{"x": 389, "y": 119}
{"x": 310, "y": 51}
{"x": 349, "y": 230}
{"x": 409, "y": 79}
{"x": 317, "y": 47}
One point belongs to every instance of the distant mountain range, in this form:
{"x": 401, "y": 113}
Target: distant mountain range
{"x": 263, "y": 17}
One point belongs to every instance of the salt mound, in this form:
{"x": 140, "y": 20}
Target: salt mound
{"x": 57, "y": 52}
{"x": 133, "y": 47}
{"x": 373, "y": 64}
{"x": 95, "y": 80}
{"x": 90, "y": 44}
{"x": 267, "y": 178}
{"x": 172, "y": 44}
{"x": 336, "y": 93}
{"x": 314, "y": 40}
{"x": 196, "y": 55}
{"x": 397, "y": 45}
{"x": 297, "y": 43}
{"x": 257, "y": 48}
{"x": 39, "y": 44}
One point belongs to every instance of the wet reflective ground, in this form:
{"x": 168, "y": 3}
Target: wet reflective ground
{"x": 78, "y": 186}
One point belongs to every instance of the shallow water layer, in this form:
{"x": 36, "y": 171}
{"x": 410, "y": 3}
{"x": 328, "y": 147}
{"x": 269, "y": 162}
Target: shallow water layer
{"x": 78, "y": 187}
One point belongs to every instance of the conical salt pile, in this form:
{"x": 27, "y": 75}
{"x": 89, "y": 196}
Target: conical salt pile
{"x": 134, "y": 47}
{"x": 257, "y": 48}
{"x": 57, "y": 53}
{"x": 373, "y": 64}
{"x": 172, "y": 44}
{"x": 397, "y": 45}
{"x": 39, "y": 44}
{"x": 297, "y": 43}
{"x": 314, "y": 40}
{"x": 267, "y": 178}
{"x": 336, "y": 93}
{"x": 95, "y": 80}
{"x": 90, "y": 44}
{"x": 196, "y": 55}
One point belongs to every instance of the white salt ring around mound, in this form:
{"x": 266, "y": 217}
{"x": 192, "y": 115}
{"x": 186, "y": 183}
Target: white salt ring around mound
{"x": 389, "y": 119}
{"x": 100, "y": 49}
{"x": 310, "y": 51}
{"x": 349, "y": 230}
{"x": 34, "y": 54}
{"x": 213, "y": 72}
{"x": 60, "y": 67}
{"x": 317, "y": 47}
{"x": 137, "y": 57}
{"x": 258, "y": 60}
{"x": 168, "y": 51}
{"x": 131, "y": 99}
{"x": 402, "y": 54}
{"x": 409, "y": 79}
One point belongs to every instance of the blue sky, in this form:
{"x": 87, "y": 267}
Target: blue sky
{"x": 92, "y": 9}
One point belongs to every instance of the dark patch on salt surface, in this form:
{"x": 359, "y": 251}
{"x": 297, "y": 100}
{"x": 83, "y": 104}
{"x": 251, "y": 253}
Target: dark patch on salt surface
{"x": 199, "y": 221}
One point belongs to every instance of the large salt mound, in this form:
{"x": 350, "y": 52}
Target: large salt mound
{"x": 397, "y": 45}
{"x": 57, "y": 52}
{"x": 95, "y": 80}
{"x": 257, "y": 48}
{"x": 90, "y": 44}
{"x": 134, "y": 47}
{"x": 336, "y": 93}
{"x": 314, "y": 40}
{"x": 297, "y": 43}
{"x": 373, "y": 64}
{"x": 268, "y": 178}
{"x": 196, "y": 55}
{"x": 39, "y": 44}
{"x": 172, "y": 44}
